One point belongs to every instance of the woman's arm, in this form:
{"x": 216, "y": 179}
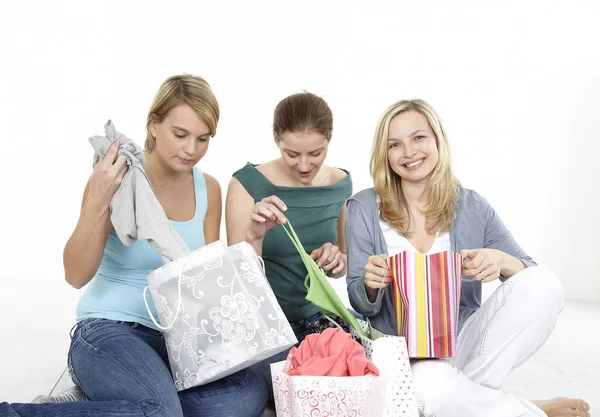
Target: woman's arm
{"x": 512, "y": 257}
{"x": 84, "y": 249}
{"x": 238, "y": 206}
{"x": 212, "y": 220}
{"x": 247, "y": 221}
{"x": 360, "y": 247}
{"x": 340, "y": 271}
{"x": 501, "y": 256}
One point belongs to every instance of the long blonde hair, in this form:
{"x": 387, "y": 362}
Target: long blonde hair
{"x": 443, "y": 188}
{"x": 189, "y": 89}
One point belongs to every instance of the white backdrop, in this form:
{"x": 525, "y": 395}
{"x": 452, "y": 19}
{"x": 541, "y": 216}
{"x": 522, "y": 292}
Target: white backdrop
{"x": 517, "y": 84}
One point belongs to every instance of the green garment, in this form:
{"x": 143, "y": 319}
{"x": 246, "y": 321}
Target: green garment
{"x": 320, "y": 291}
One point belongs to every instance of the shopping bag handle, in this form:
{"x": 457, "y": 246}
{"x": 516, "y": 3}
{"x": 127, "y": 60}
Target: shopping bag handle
{"x": 334, "y": 322}
{"x": 178, "y": 303}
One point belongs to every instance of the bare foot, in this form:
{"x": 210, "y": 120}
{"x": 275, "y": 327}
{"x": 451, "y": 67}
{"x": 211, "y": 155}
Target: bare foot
{"x": 564, "y": 407}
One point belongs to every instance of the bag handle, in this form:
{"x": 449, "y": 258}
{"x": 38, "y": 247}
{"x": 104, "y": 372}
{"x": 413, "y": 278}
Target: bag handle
{"x": 178, "y": 303}
{"x": 262, "y": 264}
{"x": 333, "y": 321}
{"x": 381, "y": 290}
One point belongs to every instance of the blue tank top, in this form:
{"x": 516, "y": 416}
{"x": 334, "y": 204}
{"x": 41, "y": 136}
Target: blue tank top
{"x": 116, "y": 291}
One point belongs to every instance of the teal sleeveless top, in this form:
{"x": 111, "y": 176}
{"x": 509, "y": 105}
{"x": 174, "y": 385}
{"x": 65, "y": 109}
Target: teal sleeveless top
{"x": 314, "y": 212}
{"x": 116, "y": 291}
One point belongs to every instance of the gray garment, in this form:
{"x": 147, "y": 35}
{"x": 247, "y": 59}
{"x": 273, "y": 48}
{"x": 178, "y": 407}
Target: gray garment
{"x": 476, "y": 226}
{"x": 135, "y": 211}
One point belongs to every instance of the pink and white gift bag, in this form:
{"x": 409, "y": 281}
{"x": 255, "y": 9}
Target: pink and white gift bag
{"x": 390, "y": 394}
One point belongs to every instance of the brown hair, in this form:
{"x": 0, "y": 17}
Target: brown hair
{"x": 178, "y": 89}
{"x": 303, "y": 112}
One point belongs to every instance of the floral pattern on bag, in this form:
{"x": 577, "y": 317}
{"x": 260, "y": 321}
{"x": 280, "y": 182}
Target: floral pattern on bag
{"x": 228, "y": 317}
{"x": 235, "y": 319}
{"x": 214, "y": 263}
{"x": 163, "y": 310}
{"x": 182, "y": 381}
{"x": 275, "y": 338}
{"x": 322, "y": 396}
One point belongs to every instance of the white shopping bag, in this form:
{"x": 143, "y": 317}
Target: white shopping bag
{"x": 218, "y": 313}
{"x": 390, "y": 355}
{"x": 304, "y": 396}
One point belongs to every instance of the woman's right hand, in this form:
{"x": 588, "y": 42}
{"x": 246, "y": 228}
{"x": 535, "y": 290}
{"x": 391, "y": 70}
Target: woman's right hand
{"x": 377, "y": 275}
{"x": 267, "y": 214}
{"x": 83, "y": 252}
{"x": 108, "y": 175}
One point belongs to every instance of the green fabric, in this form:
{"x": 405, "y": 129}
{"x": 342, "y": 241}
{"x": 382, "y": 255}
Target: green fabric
{"x": 314, "y": 211}
{"x": 320, "y": 291}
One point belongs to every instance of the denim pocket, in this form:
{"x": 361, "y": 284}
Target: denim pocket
{"x": 90, "y": 330}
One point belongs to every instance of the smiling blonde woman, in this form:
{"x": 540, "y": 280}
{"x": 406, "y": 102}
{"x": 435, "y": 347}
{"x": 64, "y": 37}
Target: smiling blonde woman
{"x": 418, "y": 205}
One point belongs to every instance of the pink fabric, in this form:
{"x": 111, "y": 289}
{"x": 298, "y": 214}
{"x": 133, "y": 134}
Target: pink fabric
{"x": 331, "y": 353}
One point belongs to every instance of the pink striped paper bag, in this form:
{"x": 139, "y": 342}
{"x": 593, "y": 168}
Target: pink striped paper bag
{"x": 426, "y": 301}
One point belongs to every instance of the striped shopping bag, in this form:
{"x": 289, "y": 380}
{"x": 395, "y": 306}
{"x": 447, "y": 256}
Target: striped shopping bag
{"x": 426, "y": 301}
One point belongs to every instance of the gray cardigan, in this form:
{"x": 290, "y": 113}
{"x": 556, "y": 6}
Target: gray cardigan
{"x": 476, "y": 226}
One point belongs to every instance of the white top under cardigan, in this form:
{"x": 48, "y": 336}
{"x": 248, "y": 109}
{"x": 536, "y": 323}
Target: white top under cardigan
{"x": 397, "y": 243}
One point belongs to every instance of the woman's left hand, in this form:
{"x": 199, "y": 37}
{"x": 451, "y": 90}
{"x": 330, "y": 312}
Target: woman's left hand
{"x": 329, "y": 257}
{"x": 483, "y": 265}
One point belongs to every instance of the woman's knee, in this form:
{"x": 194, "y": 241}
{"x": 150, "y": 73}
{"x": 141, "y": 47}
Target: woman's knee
{"x": 253, "y": 395}
{"x": 539, "y": 285}
{"x": 110, "y": 362}
{"x": 158, "y": 408}
{"x": 240, "y": 394}
{"x": 433, "y": 381}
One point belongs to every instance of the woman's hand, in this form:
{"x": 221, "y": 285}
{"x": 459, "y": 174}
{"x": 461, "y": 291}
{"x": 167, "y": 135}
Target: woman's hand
{"x": 330, "y": 258}
{"x": 486, "y": 265}
{"x": 483, "y": 265}
{"x": 377, "y": 275}
{"x": 108, "y": 175}
{"x": 266, "y": 215}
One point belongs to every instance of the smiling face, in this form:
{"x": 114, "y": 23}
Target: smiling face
{"x": 182, "y": 138}
{"x": 303, "y": 153}
{"x": 411, "y": 147}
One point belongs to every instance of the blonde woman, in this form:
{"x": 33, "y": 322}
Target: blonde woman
{"x": 418, "y": 205}
{"x": 117, "y": 356}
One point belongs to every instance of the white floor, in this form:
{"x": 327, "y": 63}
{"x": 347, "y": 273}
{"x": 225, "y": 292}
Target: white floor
{"x": 567, "y": 365}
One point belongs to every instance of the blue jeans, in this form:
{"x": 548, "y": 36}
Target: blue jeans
{"x": 123, "y": 369}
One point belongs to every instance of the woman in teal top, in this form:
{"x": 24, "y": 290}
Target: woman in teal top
{"x": 314, "y": 213}
{"x": 299, "y": 187}
{"x": 117, "y": 356}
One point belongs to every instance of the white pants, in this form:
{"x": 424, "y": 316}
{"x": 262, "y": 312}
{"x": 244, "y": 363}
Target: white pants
{"x": 510, "y": 327}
